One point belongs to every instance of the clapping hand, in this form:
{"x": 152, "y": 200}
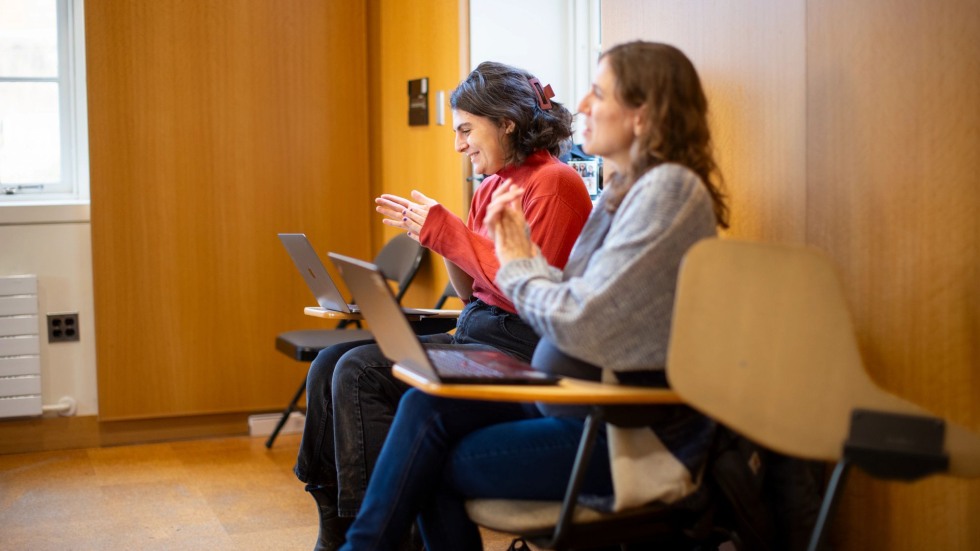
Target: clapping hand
{"x": 507, "y": 225}
{"x": 405, "y": 214}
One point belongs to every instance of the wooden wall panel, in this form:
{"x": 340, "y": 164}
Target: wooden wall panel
{"x": 854, "y": 127}
{"x": 893, "y": 134}
{"x": 213, "y": 126}
{"x": 755, "y": 84}
{"x": 411, "y": 40}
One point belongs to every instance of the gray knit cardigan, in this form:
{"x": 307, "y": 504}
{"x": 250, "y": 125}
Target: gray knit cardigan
{"x": 612, "y": 307}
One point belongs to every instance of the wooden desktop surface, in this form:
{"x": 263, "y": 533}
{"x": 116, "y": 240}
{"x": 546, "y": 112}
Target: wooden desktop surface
{"x": 319, "y": 312}
{"x": 567, "y": 391}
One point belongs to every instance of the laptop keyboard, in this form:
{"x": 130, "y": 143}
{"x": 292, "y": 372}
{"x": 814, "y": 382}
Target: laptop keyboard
{"x": 451, "y": 363}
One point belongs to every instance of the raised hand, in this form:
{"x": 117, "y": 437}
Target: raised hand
{"x": 403, "y": 213}
{"x": 507, "y": 225}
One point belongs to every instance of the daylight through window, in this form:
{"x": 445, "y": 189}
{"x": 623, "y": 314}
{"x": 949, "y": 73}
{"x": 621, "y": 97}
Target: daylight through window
{"x": 43, "y": 144}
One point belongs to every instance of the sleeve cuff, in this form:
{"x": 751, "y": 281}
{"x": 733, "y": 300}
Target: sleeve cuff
{"x": 515, "y": 271}
{"x": 435, "y": 220}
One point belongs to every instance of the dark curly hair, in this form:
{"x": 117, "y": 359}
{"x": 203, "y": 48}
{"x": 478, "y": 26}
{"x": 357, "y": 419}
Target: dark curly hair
{"x": 663, "y": 81}
{"x": 503, "y": 93}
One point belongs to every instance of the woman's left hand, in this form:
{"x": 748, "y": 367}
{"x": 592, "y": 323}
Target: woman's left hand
{"x": 507, "y": 225}
{"x": 405, "y": 214}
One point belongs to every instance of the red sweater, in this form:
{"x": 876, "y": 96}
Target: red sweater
{"x": 555, "y": 203}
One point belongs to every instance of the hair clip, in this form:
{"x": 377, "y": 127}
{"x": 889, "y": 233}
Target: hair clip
{"x": 544, "y": 94}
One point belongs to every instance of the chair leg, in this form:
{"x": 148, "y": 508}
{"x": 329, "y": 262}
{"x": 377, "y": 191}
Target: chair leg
{"x": 285, "y": 414}
{"x": 586, "y": 444}
{"x": 829, "y": 505}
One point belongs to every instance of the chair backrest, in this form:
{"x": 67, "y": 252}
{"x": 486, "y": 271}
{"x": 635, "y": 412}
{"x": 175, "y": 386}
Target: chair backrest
{"x": 762, "y": 340}
{"x": 399, "y": 260}
{"x": 447, "y": 293}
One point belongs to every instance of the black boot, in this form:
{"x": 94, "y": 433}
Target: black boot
{"x": 413, "y": 540}
{"x": 332, "y": 527}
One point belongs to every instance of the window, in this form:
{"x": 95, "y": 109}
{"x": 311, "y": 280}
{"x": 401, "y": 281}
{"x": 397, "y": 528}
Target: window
{"x": 43, "y": 129}
{"x": 563, "y": 34}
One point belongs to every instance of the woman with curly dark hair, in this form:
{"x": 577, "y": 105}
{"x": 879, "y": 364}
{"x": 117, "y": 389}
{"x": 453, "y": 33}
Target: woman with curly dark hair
{"x": 509, "y": 127}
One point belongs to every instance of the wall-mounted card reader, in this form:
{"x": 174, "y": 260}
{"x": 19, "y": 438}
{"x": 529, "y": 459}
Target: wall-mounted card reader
{"x": 441, "y": 107}
{"x": 418, "y": 102}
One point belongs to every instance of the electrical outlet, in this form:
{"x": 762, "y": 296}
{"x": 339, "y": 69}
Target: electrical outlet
{"x": 63, "y": 327}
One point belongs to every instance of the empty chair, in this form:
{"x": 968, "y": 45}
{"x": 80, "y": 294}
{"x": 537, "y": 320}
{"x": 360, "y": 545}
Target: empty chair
{"x": 762, "y": 340}
{"x": 399, "y": 260}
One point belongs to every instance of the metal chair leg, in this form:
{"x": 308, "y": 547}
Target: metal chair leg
{"x": 829, "y": 505}
{"x": 285, "y": 414}
{"x": 582, "y": 458}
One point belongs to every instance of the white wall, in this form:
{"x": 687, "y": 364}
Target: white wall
{"x": 55, "y": 244}
{"x": 555, "y": 40}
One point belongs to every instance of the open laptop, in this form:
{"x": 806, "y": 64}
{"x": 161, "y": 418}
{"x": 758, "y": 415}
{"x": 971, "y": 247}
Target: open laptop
{"x": 400, "y": 344}
{"x": 328, "y": 296}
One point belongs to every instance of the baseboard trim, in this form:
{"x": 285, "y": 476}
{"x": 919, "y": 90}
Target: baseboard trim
{"x": 62, "y": 433}
{"x": 263, "y": 424}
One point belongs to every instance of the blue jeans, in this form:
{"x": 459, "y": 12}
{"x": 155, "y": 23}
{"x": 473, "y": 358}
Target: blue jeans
{"x": 441, "y": 452}
{"x": 352, "y": 397}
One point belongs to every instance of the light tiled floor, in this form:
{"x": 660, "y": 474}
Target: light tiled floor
{"x": 218, "y": 494}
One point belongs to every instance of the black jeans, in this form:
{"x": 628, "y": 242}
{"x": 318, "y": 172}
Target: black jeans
{"x": 351, "y": 398}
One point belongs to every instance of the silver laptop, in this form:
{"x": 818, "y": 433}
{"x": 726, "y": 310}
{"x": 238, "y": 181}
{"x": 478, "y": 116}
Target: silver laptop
{"x": 400, "y": 344}
{"x": 315, "y": 274}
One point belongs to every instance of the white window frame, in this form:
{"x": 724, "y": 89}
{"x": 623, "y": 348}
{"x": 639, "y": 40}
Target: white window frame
{"x": 495, "y": 35}
{"x": 74, "y": 188}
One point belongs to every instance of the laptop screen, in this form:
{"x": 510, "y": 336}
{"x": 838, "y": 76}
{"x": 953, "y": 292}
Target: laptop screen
{"x": 391, "y": 329}
{"x": 315, "y": 274}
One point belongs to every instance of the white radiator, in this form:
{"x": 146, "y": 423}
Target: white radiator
{"x": 20, "y": 348}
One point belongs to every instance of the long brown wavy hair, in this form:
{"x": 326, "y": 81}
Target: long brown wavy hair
{"x": 660, "y": 79}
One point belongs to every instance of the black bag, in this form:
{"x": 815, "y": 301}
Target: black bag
{"x": 771, "y": 501}
{"x": 738, "y": 470}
